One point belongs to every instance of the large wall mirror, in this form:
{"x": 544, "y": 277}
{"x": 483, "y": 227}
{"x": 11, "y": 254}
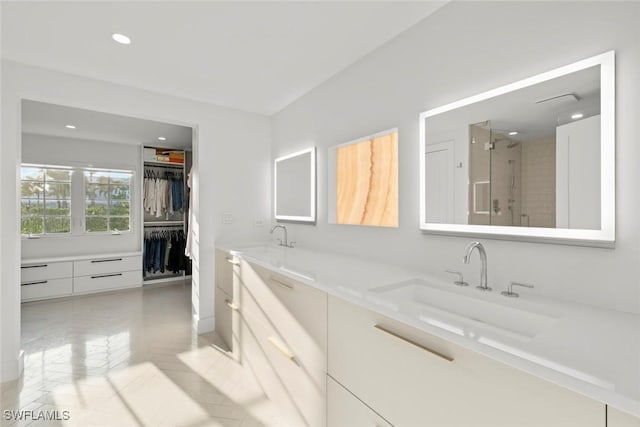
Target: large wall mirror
{"x": 295, "y": 186}
{"x": 532, "y": 160}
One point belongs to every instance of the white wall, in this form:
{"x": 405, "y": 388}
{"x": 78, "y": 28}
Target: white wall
{"x": 51, "y": 150}
{"x": 231, "y": 152}
{"x": 463, "y": 49}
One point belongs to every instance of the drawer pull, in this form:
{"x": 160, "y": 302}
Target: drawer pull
{"x": 100, "y": 276}
{"x": 231, "y": 305}
{"x": 41, "y": 282}
{"x": 281, "y": 283}
{"x": 407, "y": 340}
{"x": 93, "y": 261}
{"x": 282, "y": 349}
{"x": 36, "y": 266}
{"x": 232, "y": 261}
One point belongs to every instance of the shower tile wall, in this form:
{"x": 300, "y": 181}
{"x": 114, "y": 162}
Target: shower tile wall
{"x": 539, "y": 182}
{"x": 502, "y": 172}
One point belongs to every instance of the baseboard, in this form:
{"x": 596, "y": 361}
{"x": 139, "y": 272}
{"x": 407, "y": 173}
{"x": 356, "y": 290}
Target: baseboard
{"x": 202, "y": 326}
{"x": 12, "y": 369}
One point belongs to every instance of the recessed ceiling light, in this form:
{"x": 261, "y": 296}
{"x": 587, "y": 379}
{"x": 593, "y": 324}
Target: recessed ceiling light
{"x": 513, "y": 133}
{"x": 162, "y": 138}
{"x": 70, "y": 126}
{"x": 121, "y": 38}
{"x": 577, "y": 116}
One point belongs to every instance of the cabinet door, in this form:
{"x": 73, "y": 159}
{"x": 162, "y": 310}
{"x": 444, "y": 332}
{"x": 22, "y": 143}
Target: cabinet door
{"x": 616, "y": 418}
{"x": 414, "y": 379}
{"x": 288, "y": 320}
{"x": 345, "y": 410}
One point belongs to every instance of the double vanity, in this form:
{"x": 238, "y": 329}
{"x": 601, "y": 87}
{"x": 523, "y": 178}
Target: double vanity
{"x": 341, "y": 341}
{"x": 337, "y": 340}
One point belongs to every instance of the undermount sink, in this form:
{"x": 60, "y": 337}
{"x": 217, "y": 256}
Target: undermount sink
{"x": 280, "y": 257}
{"x": 456, "y": 311}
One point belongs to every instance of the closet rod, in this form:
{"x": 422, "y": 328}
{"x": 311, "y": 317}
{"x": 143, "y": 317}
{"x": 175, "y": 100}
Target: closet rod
{"x": 163, "y": 225}
{"x": 176, "y": 166}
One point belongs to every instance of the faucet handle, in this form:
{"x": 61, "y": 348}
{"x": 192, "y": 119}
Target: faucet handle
{"x": 291, "y": 244}
{"x": 460, "y": 281}
{"x": 509, "y": 291}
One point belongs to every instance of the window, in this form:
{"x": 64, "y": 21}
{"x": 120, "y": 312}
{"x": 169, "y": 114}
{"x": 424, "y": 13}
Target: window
{"x": 56, "y": 200}
{"x": 45, "y": 200}
{"x": 107, "y": 201}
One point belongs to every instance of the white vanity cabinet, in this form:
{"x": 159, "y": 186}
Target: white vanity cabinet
{"x": 43, "y": 280}
{"x": 227, "y": 319}
{"x": 282, "y": 335}
{"x": 346, "y": 410}
{"x": 414, "y": 379}
{"x": 616, "y": 418}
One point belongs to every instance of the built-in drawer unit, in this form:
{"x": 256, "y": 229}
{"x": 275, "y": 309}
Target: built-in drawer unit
{"x": 45, "y": 271}
{"x": 110, "y": 264}
{"x": 46, "y": 288}
{"x": 106, "y": 281}
{"x": 284, "y": 323}
{"x": 412, "y": 378}
{"x": 53, "y": 278}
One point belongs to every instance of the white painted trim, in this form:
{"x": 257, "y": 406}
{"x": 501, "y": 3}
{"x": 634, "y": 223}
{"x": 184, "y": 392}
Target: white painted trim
{"x": 312, "y": 188}
{"x": 605, "y": 237}
{"x": 202, "y": 326}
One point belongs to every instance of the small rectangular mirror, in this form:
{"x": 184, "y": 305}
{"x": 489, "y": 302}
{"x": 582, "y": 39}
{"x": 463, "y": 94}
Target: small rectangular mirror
{"x": 533, "y": 160}
{"x": 363, "y": 181}
{"x": 295, "y": 186}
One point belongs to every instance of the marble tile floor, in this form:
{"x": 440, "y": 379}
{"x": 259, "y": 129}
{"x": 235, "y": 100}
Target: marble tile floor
{"x": 129, "y": 358}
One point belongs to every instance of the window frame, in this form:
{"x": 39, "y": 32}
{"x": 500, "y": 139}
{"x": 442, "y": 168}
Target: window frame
{"x": 78, "y": 203}
{"x": 43, "y": 216}
{"x": 108, "y": 216}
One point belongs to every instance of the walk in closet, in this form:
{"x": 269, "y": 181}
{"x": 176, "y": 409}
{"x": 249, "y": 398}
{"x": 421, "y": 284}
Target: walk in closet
{"x": 165, "y": 210}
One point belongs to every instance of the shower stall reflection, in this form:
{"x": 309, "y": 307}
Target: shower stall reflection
{"x": 512, "y": 182}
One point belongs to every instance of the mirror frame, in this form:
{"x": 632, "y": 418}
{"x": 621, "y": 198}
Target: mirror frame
{"x": 312, "y": 167}
{"x": 605, "y": 236}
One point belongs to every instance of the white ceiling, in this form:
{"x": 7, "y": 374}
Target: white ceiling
{"x": 253, "y": 56}
{"x": 49, "y": 119}
{"x": 518, "y": 110}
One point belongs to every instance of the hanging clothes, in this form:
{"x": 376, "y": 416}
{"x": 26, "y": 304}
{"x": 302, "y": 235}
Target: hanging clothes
{"x": 163, "y": 251}
{"x": 163, "y": 195}
{"x": 190, "y": 218}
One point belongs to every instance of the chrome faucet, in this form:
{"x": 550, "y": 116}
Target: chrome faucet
{"x": 281, "y": 242}
{"x": 483, "y": 258}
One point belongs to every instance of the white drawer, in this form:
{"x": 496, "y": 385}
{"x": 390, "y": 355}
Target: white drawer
{"x": 114, "y": 264}
{"x": 30, "y": 272}
{"x": 43, "y": 289}
{"x": 107, "y": 281}
{"x": 441, "y": 384}
{"x": 345, "y": 410}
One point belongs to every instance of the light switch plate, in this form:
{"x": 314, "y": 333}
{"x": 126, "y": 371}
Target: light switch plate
{"x": 258, "y": 222}
{"x": 227, "y": 218}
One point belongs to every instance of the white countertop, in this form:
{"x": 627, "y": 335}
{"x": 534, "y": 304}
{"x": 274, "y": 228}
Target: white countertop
{"x": 592, "y": 351}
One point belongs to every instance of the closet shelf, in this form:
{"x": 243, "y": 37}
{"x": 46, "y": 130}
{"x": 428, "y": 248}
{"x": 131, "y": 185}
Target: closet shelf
{"x": 153, "y": 163}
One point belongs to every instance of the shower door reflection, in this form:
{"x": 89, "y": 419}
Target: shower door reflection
{"x": 511, "y": 183}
